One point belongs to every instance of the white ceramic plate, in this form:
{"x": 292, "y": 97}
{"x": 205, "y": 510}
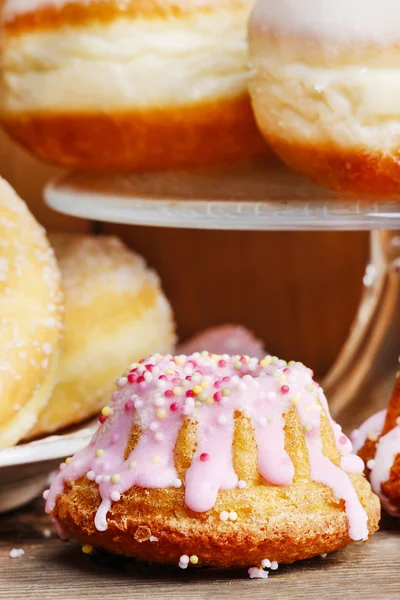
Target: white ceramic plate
{"x": 25, "y": 469}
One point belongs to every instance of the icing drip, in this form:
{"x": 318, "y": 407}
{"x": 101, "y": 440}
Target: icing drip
{"x": 205, "y": 478}
{"x": 324, "y": 471}
{"x": 371, "y": 428}
{"x": 160, "y": 393}
{"x": 274, "y": 463}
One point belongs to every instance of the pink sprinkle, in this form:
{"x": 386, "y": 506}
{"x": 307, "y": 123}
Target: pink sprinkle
{"x": 243, "y": 360}
{"x": 102, "y": 418}
{"x": 192, "y": 362}
{"x": 129, "y": 406}
{"x": 222, "y": 363}
{"x": 285, "y": 389}
{"x": 317, "y": 384}
{"x": 132, "y": 378}
{"x": 343, "y": 440}
{"x": 168, "y": 393}
{"x": 174, "y": 406}
{"x": 311, "y": 373}
{"x": 226, "y": 379}
{"x": 217, "y": 396}
{"x": 218, "y": 384}
{"x": 149, "y": 367}
{"x": 188, "y": 378}
{"x": 204, "y": 457}
{"x": 163, "y": 378}
{"x": 176, "y": 381}
{"x": 256, "y": 573}
{"x": 140, "y": 379}
{"x": 287, "y": 370}
{"x": 141, "y": 361}
{"x": 190, "y": 394}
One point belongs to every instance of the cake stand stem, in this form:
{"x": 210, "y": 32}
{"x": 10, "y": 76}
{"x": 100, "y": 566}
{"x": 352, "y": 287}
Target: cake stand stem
{"x": 360, "y": 380}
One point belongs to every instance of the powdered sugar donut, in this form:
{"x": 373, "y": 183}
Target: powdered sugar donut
{"x": 30, "y": 318}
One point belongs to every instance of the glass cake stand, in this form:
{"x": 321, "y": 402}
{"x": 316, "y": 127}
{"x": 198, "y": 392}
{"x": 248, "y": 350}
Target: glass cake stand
{"x": 269, "y": 197}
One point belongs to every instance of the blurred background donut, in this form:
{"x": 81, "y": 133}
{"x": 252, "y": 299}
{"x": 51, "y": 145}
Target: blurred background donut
{"x": 128, "y": 85}
{"x": 325, "y": 88}
{"x": 115, "y": 313}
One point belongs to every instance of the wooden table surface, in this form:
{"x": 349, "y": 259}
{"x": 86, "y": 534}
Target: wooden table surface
{"x": 51, "y": 570}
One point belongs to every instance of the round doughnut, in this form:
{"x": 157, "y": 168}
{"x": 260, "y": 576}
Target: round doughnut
{"x": 377, "y": 441}
{"x": 141, "y": 84}
{"x": 229, "y": 459}
{"x": 325, "y": 89}
{"x": 115, "y": 312}
{"x": 30, "y": 318}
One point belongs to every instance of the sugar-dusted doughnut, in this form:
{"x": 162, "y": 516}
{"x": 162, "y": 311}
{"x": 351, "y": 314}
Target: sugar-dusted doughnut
{"x": 115, "y": 312}
{"x": 30, "y": 318}
{"x": 229, "y": 460}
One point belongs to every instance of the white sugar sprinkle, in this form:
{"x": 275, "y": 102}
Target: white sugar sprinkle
{"x": 16, "y": 552}
{"x": 265, "y": 563}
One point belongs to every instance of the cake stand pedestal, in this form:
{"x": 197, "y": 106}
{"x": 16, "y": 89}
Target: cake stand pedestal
{"x": 264, "y": 197}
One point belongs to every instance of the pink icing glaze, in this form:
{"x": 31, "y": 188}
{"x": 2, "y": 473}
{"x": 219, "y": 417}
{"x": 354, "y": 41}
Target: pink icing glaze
{"x": 386, "y": 451}
{"x": 163, "y": 391}
{"x": 388, "y": 447}
{"x": 372, "y": 426}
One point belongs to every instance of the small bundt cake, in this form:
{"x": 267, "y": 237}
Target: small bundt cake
{"x": 378, "y": 443}
{"x": 229, "y": 460}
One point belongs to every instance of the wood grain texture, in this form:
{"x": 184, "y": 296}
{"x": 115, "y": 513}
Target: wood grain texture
{"x": 297, "y": 291}
{"x": 51, "y": 570}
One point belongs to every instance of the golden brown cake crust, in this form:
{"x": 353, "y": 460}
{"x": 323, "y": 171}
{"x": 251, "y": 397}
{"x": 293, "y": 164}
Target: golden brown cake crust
{"x": 198, "y": 135}
{"x": 77, "y": 13}
{"x": 282, "y": 523}
{"x": 303, "y": 532}
{"x": 353, "y": 170}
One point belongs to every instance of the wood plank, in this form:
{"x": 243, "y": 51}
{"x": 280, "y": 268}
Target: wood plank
{"x": 51, "y": 570}
{"x": 297, "y": 291}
